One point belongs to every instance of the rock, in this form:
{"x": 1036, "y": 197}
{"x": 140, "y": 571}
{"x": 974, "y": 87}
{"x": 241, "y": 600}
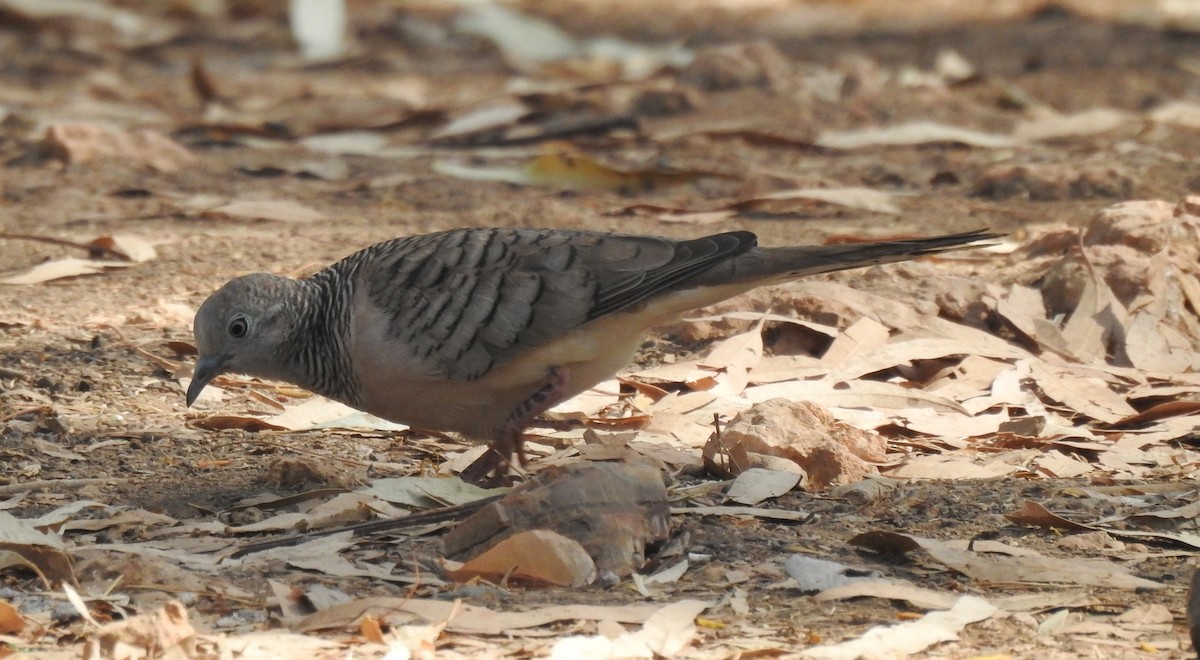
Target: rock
{"x": 831, "y": 452}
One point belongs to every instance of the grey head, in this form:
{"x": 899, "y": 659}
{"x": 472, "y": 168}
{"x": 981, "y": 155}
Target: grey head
{"x": 245, "y": 327}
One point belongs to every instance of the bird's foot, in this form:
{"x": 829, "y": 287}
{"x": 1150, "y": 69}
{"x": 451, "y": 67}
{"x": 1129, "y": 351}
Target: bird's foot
{"x": 508, "y": 440}
{"x": 492, "y": 468}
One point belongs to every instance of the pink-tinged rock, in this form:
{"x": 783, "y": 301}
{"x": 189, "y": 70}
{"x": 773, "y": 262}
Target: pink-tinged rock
{"x": 831, "y": 452}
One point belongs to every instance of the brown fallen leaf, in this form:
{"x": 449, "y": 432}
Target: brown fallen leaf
{"x": 11, "y": 621}
{"x": 226, "y": 422}
{"x": 1158, "y": 412}
{"x": 540, "y": 556}
{"x": 865, "y": 199}
{"x": 1035, "y": 515}
{"x": 79, "y": 143}
{"x": 22, "y": 544}
{"x": 130, "y": 247}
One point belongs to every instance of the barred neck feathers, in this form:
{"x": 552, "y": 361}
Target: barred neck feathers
{"x": 321, "y": 353}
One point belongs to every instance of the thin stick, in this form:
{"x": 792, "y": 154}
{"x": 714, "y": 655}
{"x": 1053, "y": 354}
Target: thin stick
{"x": 47, "y": 484}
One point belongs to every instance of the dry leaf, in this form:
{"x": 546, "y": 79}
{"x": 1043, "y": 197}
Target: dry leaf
{"x": 540, "y": 556}
{"x": 919, "y": 597}
{"x": 947, "y": 466}
{"x": 59, "y": 269}
{"x": 141, "y": 636}
{"x": 23, "y": 545}
{"x": 911, "y": 637}
{"x": 863, "y": 336}
{"x": 1082, "y": 394}
{"x": 1095, "y": 320}
{"x": 1055, "y": 126}
{"x": 725, "y": 371}
{"x": 469, "y": 618}
{"x": 271, "y": 210}
{"x": 1024, "y": 308}
{"x": 813, "y": 574}
{"x": 748, "y": 511}
{"x": 321, "y": 413}
{"x": 865, "y": 199}
{"x": 1007, "y": 570}
{"x": 133, "y": 248}
{"x": 756, "y": 484}
{"x": 319, "y": 28}
{"x": 11, "y": 621}
{"x": 912, "y": 134}
{"x": 225, "y": 422}
{"x": 427, "y": 492}
{"x": 669, "y": 630}
{"x": 80, "y": 142}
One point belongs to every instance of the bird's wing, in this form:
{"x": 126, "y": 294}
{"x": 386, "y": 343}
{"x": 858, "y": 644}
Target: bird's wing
{"x": 464, "y": 301}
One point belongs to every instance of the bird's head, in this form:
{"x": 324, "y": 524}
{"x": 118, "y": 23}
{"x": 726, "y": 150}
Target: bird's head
{"x": 243, "y": 328}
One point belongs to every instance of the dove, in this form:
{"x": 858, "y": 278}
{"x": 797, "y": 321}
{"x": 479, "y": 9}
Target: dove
{"x": 478, "y": 331}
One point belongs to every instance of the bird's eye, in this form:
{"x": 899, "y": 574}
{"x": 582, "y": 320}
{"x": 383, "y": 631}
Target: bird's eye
{"x": 239, "y": 326}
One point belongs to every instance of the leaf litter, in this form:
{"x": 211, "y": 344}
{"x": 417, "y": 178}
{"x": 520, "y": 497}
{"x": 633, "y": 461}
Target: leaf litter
{"x": 1057, "y": 368}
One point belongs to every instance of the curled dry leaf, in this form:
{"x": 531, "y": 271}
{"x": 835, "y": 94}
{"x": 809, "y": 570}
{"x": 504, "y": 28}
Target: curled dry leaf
{"x": 133, "y": 248}
{"x": 21, "y": 544}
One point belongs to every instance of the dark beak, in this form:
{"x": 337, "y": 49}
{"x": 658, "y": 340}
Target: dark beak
{"x": 206, "y": 369}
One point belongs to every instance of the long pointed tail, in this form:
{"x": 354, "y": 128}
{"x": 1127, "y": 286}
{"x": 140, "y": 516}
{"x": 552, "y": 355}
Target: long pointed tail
{"x": 762, "y": 265}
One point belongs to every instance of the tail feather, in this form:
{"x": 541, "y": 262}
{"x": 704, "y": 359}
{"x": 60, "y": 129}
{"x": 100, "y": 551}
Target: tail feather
{"x": 762, "y": 265}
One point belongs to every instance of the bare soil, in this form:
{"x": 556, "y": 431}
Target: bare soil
{"x": 72, "y": 377}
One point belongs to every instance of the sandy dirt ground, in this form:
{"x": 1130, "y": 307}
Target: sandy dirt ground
{"x": 209, "y": 140}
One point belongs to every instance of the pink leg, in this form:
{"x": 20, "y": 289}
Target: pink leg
{"x": 507, "y": 440}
